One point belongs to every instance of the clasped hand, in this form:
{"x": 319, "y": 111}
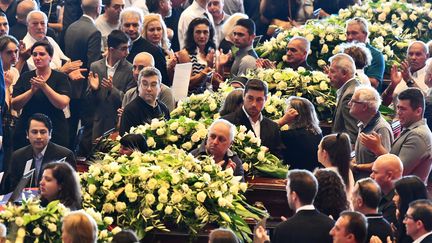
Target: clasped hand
{"x": 37, "y": 83}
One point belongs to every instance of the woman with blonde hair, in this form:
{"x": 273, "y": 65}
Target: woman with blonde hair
{"x": 79, "y": 227}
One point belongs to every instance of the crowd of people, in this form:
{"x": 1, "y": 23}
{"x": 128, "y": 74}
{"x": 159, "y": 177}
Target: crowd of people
{"x": 70, "y": 74}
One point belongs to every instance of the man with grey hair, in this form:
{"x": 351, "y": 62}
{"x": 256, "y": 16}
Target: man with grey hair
{"x": 296, "y": 55}
{"x": 219, "y": 140}
{"x": 342, "y": 77}
{"x": 131, "y": 23}
{"x": 145, "y": 107}
{"x": 412, "y": 74}
{"x": 357, "y": 30}
{"x": 364, "y": 106}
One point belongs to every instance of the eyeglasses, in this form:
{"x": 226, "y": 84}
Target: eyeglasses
{"x": 355, "y": 102}
{"x": 409, "y": 217}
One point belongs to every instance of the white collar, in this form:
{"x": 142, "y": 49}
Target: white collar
{"x": 422, "y": 237}
{"x": 306, "y": 207}
{"x": 250, "y": 119}
{"x": 88, "y": 16}
{"x": 42, "y": 153}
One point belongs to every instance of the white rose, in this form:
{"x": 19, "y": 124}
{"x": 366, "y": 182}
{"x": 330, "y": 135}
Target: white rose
{"x": 21, "y": 232}
{"x": 19, "y": 221}
{"x": 160, "y": 131}
{"x": 173, "y": 138}
{"x": 201, "y": 197}
{"x": 248, "y": 150}
{"x": 151, "y": 142}
{"x": 120, "y": 206}
{"x": 103, "y": 234}
{"x": 403, "y": 16}
{"x": 132, "y": 196}
{"x": 330, "y": 38}
{"x": 152, "y": 183}
{"x": 261, "y": 156}
{"x": 174, "y": 126}
{"x": 382, "y": 17}
{"x": 192, "y": 114}
{"x": 213, "y": 106}
{"x": 147, "y": 212}
{"x": 321, "y": 63}
{"x": 52, "y": 227}
{"x": 222, "y": 202}
{"x": 108, "y": 208}
{"x": 310, "y": 37}
{"x": 181, "y": 130}
{"x": 413, "y": 17}
{"x": 108, "y": 220}
{"x": 163, "y": 198}
{"x": 116, "y": 230}
{"x": 117, "y": 177}
{"x": 245, "y": 166}
{"x": 37, "y": 231}
{"x": 324, "y": 49}
{"x": 323, "y": 85}
{"x": 168, "y": 210}
{"x": 150, "y": 199}
{"x": 110, "y": 196}
{"x": 195, "y": 137}
{"x": 234, "y": 189}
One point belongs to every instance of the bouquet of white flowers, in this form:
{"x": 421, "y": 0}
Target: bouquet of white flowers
{"x": 312, "y": 85}
{"x": 30, "y": 222}
{"x": 168, "y": 189}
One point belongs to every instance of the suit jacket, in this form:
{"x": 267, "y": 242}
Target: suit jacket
{"x": 428, "y": 239}
{"x": 306, "y": 226}
{"x": 141, "y": 45}
{"x": 270, "y": 132}
{"x": 106, "y": 102}
{"x": 414, "y": 148}
{"x": 82, "y": 42}
{"x": 343, "y": 121}
{"x": 22, "y": 155}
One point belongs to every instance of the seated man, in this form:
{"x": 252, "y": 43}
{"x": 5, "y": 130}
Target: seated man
{"x": 296, "y": 56}
{"x": 219, "y": 140}
{"x": 351, "y": 227}
{"x": 307, "y": 224}
{"x": 145, "y": 107}
{"x": 365, "y": 199}
{"x": 418, "y": 221}
{"x": 40, "y": 152}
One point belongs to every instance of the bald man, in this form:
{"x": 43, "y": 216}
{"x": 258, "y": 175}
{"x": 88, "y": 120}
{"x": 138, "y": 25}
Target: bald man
{"x": 387, "y": 169}
{"x": 142, "y": 60}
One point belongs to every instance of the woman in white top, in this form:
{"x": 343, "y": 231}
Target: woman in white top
{"x": 334, "y": 152}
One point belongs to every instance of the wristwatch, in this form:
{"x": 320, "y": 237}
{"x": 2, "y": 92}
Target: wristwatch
{"x": 410, "y": 83}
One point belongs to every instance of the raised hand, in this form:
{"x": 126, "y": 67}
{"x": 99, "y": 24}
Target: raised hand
{"x": 77, "y": 74}
{"x": 93, "y": 80}
{"x": 107, "y": 83}
{"x": 24, "y": 53}
{"x": 406, "y": 73}
{"x": 288, "y": 117}
{"x": 395, "y": 76}
{"x": 39, "y": 82}
{"x": 70, "y": 66}
{"x": 224, "y": 58}
{"x": 210, "y": 58}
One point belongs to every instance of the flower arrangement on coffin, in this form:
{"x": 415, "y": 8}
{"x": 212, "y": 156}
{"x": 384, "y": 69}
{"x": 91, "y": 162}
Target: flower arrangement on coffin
{"x": 275, "y": 106}
{"x": 166, "y": 189}
{"x": 30, "y": 222}
{"x": 313, "y": 85}
{"x": 188, "y": 134}
{"x": 202, "y": 106}
{"x": 416, "y": 19}
{"x": 325, "y": 36}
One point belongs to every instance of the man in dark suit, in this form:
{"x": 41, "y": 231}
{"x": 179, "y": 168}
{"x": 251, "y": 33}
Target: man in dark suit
{"x": 131, "y": 23}
{"x": 307, "y": 225}
{"x": 365, "y": 199}
{"x": 342, "y": 77}
{"x": 351, "y": 227}
{"x": 255, "y": 96}
{"x": 40, "y": 152}
{"x": 82, "y": 42}
{"x": 418, "y": 221}
{"x": 108, "y": 81}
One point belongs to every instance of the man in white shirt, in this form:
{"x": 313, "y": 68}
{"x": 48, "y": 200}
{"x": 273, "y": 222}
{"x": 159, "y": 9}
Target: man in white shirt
{"x": 198, "y": 9}
{"x": 412, "y": 74}
{"x": 215, "y": 7}
{"x": 110, "y": 20}
{"x": 418, "y": 221}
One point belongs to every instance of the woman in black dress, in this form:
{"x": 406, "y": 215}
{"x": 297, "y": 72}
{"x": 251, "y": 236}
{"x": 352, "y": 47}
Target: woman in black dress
{"x": 303, "y": 136}
{"x": 42, "y": 90}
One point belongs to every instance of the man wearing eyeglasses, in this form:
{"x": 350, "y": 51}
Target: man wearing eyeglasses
{"x": 364, "y": 106}
{"x": 342, "y": 77}
{"x": 145, "y": 107}
{"x": 418, "y": 221}
{"x": 108, "y": 81}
